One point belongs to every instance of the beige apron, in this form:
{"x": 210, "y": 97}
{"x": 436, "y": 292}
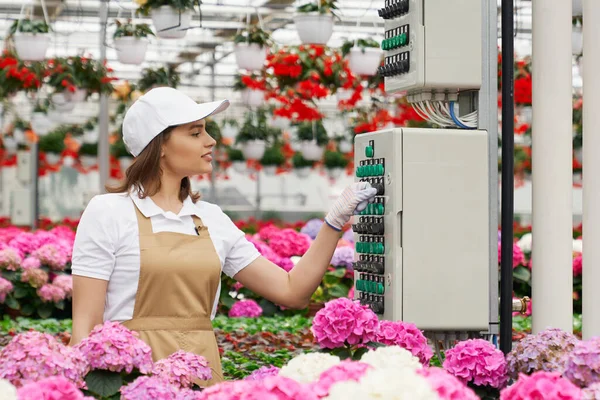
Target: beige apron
{"x": 179, "y": 279}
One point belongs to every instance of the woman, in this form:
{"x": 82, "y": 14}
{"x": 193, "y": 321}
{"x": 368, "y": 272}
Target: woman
{"x": 149, "y": 254}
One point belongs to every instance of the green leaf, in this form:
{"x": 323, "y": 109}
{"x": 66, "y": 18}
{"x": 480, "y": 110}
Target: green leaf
{"x": 359, "y": 353}
{"x": 342, "y": 352}
{"x": 11, "y": 302}
{"x": 338, "y": 290}
{"x": 45, "y": 310}
{"x": 104, "y": 383}
{"x": 20, "y": 292}
{"x": 338, "y": 272}
{"x": 27, "y": 309}
{"x": 522, "y": 274}
{"x": 60, "y": 305}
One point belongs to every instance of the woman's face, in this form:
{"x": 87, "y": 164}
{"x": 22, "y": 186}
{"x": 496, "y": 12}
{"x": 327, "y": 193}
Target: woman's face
{"x": 188, "y": 150}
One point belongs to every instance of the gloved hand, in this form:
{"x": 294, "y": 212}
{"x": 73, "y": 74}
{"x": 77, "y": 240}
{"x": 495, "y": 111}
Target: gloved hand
{"x": 353, "y": 200}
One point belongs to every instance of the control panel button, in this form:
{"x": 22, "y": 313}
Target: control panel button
{"x": 369, "y": 151}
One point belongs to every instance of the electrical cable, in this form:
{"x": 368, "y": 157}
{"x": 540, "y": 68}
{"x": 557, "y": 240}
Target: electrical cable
{"x": 456, "y": 120}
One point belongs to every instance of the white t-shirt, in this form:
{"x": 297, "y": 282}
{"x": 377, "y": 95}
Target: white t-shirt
{"x": 107, "y": 244}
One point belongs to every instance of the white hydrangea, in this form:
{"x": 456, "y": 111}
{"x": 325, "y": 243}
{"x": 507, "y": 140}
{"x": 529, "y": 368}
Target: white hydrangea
{"x": 307, "y": 368}
{"x": 394, "y": 357}
{"x": 578, "y": 245}
{"x": 525, "y": 243}
{"x": 7, "y": 390}
{"x": 385, "y": 384}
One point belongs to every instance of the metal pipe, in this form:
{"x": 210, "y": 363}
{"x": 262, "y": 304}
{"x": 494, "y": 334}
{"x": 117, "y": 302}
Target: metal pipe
{"x": 103, "y": 147}
{"x": 506, "y": 267}
{"x": 552, "y": 166}
{"x": 591, "y": 166}
{"x": 520, "y": 305}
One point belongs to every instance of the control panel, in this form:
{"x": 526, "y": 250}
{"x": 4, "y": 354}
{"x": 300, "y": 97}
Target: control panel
{"x": 431, "y": 45}
{"x": 421, "y": 246}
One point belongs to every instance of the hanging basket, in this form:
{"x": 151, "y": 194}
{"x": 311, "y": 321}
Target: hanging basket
{"x": 250, "y": 56}
{"x": 577, "y": 40}
{"x": 302, "y": 172}
{"x": 335, "y": 173}
{"x": 10, "y": 144}
{"x": 254, "y": 149}
{"x": 170, "y": 23}
{"x": 40, "y": 123}
{"x": 239, "y": 166}
{"x": 314, "y": 28}
{"x": 79, "y": 96}
{"x": 32, "y": 46}
{"x": 90, "y": 136}
{"x": 253, "y": 98}
{"x": 345, "y": 146}
{"x": 364, "y": 61}
{"x": 131, "y": 50}
{"x": 270, "y": 170}
{"x": 88, "y": 161}
{"x": 577, "y": 8}
{"x": 62, "y": 102}
{"x": 229, "y": 131}
{"x": 311, "y": 150}
{"x": 52, "y": 158}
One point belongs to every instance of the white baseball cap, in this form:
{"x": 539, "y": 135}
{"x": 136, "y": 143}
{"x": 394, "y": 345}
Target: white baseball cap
{"x": 159, "y": 109}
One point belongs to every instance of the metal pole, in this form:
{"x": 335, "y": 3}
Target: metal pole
{"x": 552, "y": 166}
{"x": 35, "y": 186}
{"x": 488, "y": 120}
{"x": 506, "y": 267}
{"x": 103, "y": 148}
{"x": 213, "y": 188}
{"x": 591, "y": 163}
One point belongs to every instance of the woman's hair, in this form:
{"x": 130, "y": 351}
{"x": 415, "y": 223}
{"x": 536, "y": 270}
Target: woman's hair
{"x": 144, "y": 173}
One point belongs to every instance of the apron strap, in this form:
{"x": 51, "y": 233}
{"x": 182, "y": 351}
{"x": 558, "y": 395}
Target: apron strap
{"x": 144, "y": 224}
{"x": 200, "y": 227}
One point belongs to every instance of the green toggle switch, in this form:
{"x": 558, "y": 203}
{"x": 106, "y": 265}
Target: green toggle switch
{"x": 380, "y": 288}
{"x": 369, "y": 151}
{"x": 378, "y": 248}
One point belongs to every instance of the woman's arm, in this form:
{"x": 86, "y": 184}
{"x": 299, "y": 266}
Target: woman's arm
{"x": 89, "y": 297}
{"x": 294, "y": 289}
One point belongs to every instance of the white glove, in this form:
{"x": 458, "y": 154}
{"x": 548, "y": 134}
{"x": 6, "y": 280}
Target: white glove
{"x": 353, "y": 200}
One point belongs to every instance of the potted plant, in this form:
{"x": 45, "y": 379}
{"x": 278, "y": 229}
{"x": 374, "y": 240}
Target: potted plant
{"x": 90, "y": 131}
{"x": 335, "y": 163}
{"x": 236, "y": 157}
{"x": 162, "y": 76}
{"x": 88, "y": 154}
{"x": 52, "y": 144}
{"x": 171, "y": 18}
{"x": 229, "y": 128}
{"x": 252, "y": 87}
{"x": 251, "y": 48}
{"x": 313, "y": 138}
{"x": 314, "y": 21}
{"x": 364, "y": 56}
{"x": 40, "y": 123}
{"x": 301, "y": 165}
{"x": 31, "y": 38}
{"x": 271, "y": 159}
{"x": 252, "y": 137}
{"x": 131, "y": 42}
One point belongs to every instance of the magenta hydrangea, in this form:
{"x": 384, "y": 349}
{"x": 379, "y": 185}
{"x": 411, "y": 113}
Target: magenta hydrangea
{"x": 286, "y": 263}
{"x": 182, "y": 368}
{"x": 266, "y": 232}
{"x": 407, "y": 336}
{"x": 477, "y": 361}
{"x": 577, "y": 265}
{"x": 245, "y": 309}
{"x": 262, "y": 373}
{"x": 51, "y": 255}
{"x": 64, "y": 282}
{"x": 113, "y": 347}
{"x": 149, "y": 387}
{"x": 344, "y": 321}
{"x": 10, "y": 259}
{"x": 288, "y": 243}
{"x": 31, "y": 263}
{"x": 541, "y": 352}
{"x": 582, "y": 364}
{"x": 52, "y": 388}
{"x": 541, "y": 385}
{"x": 32, "y": 356}
{"x": 228, "y": 390}
{"x": 343, "y": 257}
{"x": 518, "y": 256}
{"x": 343, "y": 371}
{"x": 312, "y": 227}
{"x": 280, "y": 388}
{"x": 447, "y": 386}
{"x": 51, "y": 293}
{"x": 5, "y": 288}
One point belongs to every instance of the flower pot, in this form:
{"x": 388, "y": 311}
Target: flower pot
{"x": 314, "y": 28}
{"x": 280, "y": 123}
{"x": 254, "y": 149}
{"x": 170, "y": 23}
{"x": 125, "y": 162}
{"x": 343, "y": 94}
{"x": 52, "y": 158}
{"x": 40, "y": 123}
{"x": 88, "y": 161}
{"x": 239, "y": 166}
{"x": 270, "y": 170}
{"x": 253, "y": 98}
{"x": 577, "y": 8}
{"x": 313, "y": 308}
{"x": 32, "y": 46}
{"x": 90, "y": 136}
{"x": 250, "y": 56}
{"x": 365, "y": 61}
{"x": 68, "y": 161}
{"x": 10, "y": 144}
{"x": 311, "y": 150}
{"x": 131, "y": 50}
{"x": 303, "y": 172}
{"x": 229, "y": 132}
{"x": 577, "y": 40}
{"x": 345, "y": 146}
{"x": 62, "y": 102}
{"x": 79, "y": 95}
{"x": 335, "y": 173}
{"x": 578, "y": 153}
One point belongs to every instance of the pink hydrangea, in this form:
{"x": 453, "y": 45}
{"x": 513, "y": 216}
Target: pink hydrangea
{"x": 262, "y": 373}
{"x": 24, "y": 243}
{"x": 65, "y": 282}
{"x": 344, "y": 321}
{"x": 245, "y": 309}
{"x": 113, "y": 347}
{"x": 36, "y": 278}
{"x": 264, "y": 250}
{"x": 149, "y": 387}
{"x": 33, "y": 356}
{"x": 63, "y": 232}
{"x": 447, "y": 386}
{"x": 10, "y": 259}
{"x": 351, "y": 293}
{"x": 518, "y": 256}
{"x": 582, "y": 363}
{"x": 5, "y": 288}
{"x": 288, "y": 243}
{"x": 344, "y": 371}
{"x": 31, "y": 263}
{"x": 541, "y": 385}
{"x": 50, "y": 293}
{"x": 577, "y": 265}
{"x": 286, "y": 263}
{"x": 8, "y": 234}
{"x": 266, "y": 232}
{"x": 228, "y": 390}
{"x": 182, "y": 368}
{"x": 477, "y": 361}
{"x": 52, "y": 256}
{"x": 53, "y": 388}
{"x": 407, "y": 336}
{"x": 592, "y": 392}
{"x": 280, "y": 388}
{"x": 187, "y": 394}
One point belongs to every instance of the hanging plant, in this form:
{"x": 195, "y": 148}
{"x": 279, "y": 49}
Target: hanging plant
{"x": 364, "y": 56}
{"x": 53, "y": 142}
{"x": 314, "y": 21}
{"x": 162, "y": 76}
{"x": 15, "y": 76}
{"x": 131, "y": 41}
{"x": 273, "y": 156}
{"x": 253, "y": 88}
{"x": 171, "y": 18}
{"x": 31, "y": 38}
{"x": 251, "y": 47}
{"x": 335, "y": 159}
{"x": 309, "y": 131}
{"x": 235, "y": 155}
{"x": 79, "y": 76}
